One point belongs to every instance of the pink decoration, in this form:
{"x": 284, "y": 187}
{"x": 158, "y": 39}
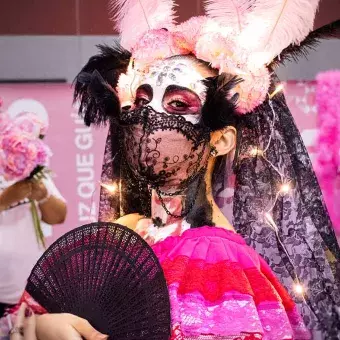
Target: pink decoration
{"x": 31, "y": 124}
{"x": 160, "y": 44}
{"x": 134, "y": 18}
{"x": 214, "y": 48}
{"x": 328, "y": 149}
{"x": 21, "y": 151}
{"x": 231, "y": 13}
{"x": 239, "y": 37}
{"x": 253, "y": 90}
{"x": 191, "y": 30}
{"x": 275, "y": 24}
{"x": 208, "y": 41}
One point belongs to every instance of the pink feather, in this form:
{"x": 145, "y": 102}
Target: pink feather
{"x": 275, "y": 24}
{"x": 135, "y": 17}
{"x": 229, "y": 12}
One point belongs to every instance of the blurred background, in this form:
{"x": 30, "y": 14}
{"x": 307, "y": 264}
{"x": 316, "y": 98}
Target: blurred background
{"x": 45, "y": 43}
{"x": 51, "y": 40}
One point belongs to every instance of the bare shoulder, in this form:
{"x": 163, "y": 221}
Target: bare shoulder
{"x": 129, "y": 220}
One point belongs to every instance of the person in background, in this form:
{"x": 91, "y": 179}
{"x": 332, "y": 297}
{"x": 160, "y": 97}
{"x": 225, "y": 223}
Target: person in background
{"x": 19, "y": 241}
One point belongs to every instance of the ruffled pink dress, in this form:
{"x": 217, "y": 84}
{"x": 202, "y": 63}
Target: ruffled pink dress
{"x": 220, "y": 288}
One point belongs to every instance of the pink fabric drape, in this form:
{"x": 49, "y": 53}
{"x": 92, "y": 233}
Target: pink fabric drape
{"x": 327, "y": 164}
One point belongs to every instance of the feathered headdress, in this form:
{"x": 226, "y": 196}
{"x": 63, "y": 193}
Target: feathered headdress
{"x": 240, "y": 37}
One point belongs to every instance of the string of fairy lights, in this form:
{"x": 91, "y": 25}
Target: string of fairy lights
{"x": 284, "y": 189}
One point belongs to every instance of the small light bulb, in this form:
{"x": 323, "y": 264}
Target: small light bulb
{"x": 285, "y": 188}
{"x": 111, "y": 188}
{"x": 278, "y": 89}
{"x": 268, "y": 216}
{"x": 298, "y": 288}
{"x": 256, "y": 152}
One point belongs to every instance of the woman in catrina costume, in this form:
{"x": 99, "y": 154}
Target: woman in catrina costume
{"x": 188, "y": 107}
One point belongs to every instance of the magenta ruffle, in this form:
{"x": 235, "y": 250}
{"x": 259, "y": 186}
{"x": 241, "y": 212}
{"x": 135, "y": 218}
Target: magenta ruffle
{"x": 187, "y": 258}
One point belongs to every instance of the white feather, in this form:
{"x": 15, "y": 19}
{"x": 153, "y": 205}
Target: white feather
{"x": 229, "y": 12}
{"x": 275, "y": 24}
{"x": 135, "y": 17}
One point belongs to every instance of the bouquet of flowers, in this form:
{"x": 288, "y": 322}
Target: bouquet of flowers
{"x": 23, "y": 153}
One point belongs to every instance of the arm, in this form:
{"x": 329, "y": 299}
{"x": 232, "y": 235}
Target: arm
{"x": 52, "y": 326}
{"x": 52, "y": 206}
{"x": 53, "y": 211}
{"x": 14, "y": 194}
{"x": 65, "y": 327}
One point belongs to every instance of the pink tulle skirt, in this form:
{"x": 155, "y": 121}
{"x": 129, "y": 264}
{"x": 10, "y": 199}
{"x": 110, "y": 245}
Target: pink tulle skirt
{"x": 222, "y": 289}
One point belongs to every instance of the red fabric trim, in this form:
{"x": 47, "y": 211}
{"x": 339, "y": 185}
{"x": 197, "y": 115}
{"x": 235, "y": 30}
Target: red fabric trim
{"x": 287, "y": 301}
{"x": 214, "y": 280}
{"x": 35, "y": 306}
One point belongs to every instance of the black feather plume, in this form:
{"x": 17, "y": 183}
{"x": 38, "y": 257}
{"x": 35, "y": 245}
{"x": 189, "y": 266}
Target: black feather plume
{"x": 218, "y": 111}
{"x": 295, "y": 52}
{"x": 99, "y": 102}
{"x": 94, "y": 85}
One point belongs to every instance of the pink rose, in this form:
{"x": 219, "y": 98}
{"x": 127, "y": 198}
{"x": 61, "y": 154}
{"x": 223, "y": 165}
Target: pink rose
{"x": 5, "y": 123}
{"x": 20, "y": 154}
{"x": 30, "y": 123}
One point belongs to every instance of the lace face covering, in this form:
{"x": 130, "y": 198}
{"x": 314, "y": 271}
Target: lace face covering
{"x": 164, "y": 151}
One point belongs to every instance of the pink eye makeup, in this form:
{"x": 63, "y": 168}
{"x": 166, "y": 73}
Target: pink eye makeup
{"x": 181, "y": 100}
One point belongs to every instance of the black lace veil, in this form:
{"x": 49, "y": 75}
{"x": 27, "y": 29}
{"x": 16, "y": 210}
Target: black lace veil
{"x": 304, "y": 246}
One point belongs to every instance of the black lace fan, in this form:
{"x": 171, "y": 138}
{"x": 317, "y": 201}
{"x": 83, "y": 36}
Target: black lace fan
{"x": 108, "y": 275}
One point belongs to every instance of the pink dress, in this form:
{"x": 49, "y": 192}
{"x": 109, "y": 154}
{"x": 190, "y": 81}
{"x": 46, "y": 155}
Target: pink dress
{"x": 222, "y": 289}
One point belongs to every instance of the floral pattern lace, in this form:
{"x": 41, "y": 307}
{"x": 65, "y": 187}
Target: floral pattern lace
{"x": 302, "y": 219}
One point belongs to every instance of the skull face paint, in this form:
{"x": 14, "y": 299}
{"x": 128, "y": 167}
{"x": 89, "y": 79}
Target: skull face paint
{"x": 172, "y": 86}
{"x": 163, "y": 143}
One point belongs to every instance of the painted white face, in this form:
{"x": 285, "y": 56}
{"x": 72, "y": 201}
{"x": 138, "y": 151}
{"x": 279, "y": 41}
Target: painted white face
{"x": 174, "y": 86}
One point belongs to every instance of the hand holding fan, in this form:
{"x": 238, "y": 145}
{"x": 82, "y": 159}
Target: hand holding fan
{"x": 108, "y": 275}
